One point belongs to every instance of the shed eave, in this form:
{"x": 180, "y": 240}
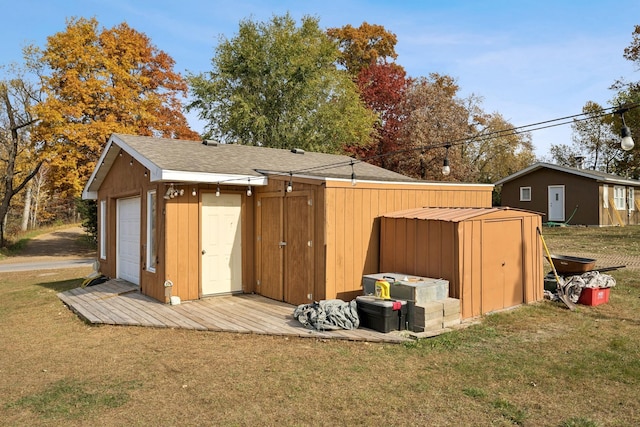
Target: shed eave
{"x": 341, "y": 181}
{"x": 89, "y": 195}
{"x": 165, "y": 175}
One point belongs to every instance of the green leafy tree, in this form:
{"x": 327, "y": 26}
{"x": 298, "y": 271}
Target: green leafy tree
{"x": 276, "y": 84}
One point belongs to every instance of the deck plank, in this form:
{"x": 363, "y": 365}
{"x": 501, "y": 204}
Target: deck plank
{"x": 117, "y": 302}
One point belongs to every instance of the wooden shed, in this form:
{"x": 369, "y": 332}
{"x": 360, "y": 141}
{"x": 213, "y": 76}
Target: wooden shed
{"x": 191, "y": 219}
{"x": 492, "y": 257}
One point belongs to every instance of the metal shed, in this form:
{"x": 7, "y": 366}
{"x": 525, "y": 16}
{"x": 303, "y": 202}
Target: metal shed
{"x": 492, "y": 257}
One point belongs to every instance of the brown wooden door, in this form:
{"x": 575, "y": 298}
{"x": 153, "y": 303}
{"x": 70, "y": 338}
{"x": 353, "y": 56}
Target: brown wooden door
{"x": 270, "y": 253}
{"x": 298, "y": 259}
{"x": 285, "y": 247}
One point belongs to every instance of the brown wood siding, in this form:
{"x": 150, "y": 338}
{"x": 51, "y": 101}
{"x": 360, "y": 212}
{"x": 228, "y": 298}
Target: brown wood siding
{"x": 182, "y": 244}
{"x": 458, "y": 252}
{"x": 585, "y": 193}
{"x": 128, "y": 180}
{"x": 352, "y": 224}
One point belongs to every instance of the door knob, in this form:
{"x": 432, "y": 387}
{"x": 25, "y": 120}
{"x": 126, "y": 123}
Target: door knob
{"x": 204, "y": 252}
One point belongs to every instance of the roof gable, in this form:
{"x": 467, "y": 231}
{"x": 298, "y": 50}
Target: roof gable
{"x": 173, "y": 160}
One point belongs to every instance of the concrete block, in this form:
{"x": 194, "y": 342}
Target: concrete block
{"x": 433, "y": 325}
{"x": 418, "y": 289}
{"x": 451, "y": 306}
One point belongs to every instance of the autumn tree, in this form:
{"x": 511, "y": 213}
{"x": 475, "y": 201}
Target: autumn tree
{"x": 98, "y": 81}
{"x": 626, "y": 163}
{"x": 496, "y": 150}
{"x": 434, "y": 118}
{"x": 276, "y": 84}
{"x": 595, "y": 141}
{"x": 363, "y": 46}
{"x": 19, "y": 152}
{"x": 382, "y": 88}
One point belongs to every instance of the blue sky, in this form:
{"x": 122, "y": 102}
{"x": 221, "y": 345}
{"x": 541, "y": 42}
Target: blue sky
{"x": 530, "y": 61}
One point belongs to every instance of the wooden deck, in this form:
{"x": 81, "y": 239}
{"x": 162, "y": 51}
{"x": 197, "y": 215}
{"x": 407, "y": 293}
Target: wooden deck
{"x": 118, "y": 302}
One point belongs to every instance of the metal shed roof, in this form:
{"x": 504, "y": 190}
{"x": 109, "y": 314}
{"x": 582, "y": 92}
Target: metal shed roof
{"x": 448, "y": 214}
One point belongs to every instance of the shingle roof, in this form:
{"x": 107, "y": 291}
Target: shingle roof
{"x": 175, "y": 160}
{"x": 587, "y": 173}
{"x": 234, "y": 159}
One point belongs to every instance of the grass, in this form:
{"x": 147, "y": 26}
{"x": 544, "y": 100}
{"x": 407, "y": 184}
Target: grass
{"x": 538, "y": 365}
{"x": 618, "y": 240}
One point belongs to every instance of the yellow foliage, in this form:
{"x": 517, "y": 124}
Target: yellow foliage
{"x": 103, "y": 81}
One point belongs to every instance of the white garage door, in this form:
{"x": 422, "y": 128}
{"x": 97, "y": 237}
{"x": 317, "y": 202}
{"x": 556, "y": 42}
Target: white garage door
{"x": 128, "y": 243}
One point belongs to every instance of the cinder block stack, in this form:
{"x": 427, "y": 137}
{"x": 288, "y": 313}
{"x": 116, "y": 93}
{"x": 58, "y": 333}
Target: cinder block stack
{"x": 438, "y": 314}
{"x": 434, "y": 310}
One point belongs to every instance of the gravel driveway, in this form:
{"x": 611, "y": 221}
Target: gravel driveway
{"x": 61, "y": 248}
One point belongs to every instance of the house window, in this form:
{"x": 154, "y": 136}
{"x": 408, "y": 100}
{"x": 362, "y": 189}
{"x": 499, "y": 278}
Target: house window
{"x": 525, "y": 194}
{"x": 632, "y": 199}
{"x": 103, "y": 229}
{"x": 619, "y": 197}
{"x": 605, "y": 196}
{"x": 151, "y": 231}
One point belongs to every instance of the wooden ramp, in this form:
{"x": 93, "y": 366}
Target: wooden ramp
{"x": 118, "y": 302}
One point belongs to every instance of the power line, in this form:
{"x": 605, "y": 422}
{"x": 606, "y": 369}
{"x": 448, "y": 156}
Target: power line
{"x": 546, "y": 124}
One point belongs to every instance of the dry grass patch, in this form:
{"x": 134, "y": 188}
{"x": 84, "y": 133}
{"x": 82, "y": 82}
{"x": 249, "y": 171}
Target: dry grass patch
{"x": 538, "y": 365}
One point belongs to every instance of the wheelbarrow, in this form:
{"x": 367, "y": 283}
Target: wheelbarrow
{"x": 567, "y": 290}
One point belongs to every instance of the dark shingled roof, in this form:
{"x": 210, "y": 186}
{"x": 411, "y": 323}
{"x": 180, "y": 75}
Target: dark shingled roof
{"x": 233, "y": 159}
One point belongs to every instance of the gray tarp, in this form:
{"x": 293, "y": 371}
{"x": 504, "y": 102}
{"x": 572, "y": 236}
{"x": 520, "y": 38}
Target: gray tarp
{"x": 328, "y": 315}
{"x": 590, "y": 279}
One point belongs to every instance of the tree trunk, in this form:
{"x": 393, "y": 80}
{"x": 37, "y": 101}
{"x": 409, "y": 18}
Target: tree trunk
{"x": 27, "y": 208}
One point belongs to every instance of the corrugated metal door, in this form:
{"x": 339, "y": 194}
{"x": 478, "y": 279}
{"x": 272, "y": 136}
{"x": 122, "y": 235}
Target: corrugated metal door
{"x": 502, "y": 265}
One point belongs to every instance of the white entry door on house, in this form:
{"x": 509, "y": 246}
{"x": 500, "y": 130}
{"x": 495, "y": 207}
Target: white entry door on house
{"x": 128, "y": 241}
{"x": 556, "y": 203}
{"x": 221, "y": 244}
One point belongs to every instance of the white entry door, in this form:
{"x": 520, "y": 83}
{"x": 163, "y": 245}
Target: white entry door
{"x": 128, "y": 241}
{"x": 556, "y": 203}
{"x": 221, "y": 244}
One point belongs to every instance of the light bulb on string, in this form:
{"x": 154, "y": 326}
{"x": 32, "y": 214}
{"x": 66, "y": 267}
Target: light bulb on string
{"x": 290, "y": 185}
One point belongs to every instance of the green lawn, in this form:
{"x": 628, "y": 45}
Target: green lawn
{"x": 537, "y": 365}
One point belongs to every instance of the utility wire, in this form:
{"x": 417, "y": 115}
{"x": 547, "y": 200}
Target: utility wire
{"x": 480, "y": 137}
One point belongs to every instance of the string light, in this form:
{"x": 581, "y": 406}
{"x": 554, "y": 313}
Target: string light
{"x": 627, "y": 141}
{"x": 477, "y": 138}
{"x": 446, "y": 169}
{"x": 249, "y": 192}
{"x": 218, "y": 191}
{"x": 290, "y": 185}
{"x": 353, "y": 174}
